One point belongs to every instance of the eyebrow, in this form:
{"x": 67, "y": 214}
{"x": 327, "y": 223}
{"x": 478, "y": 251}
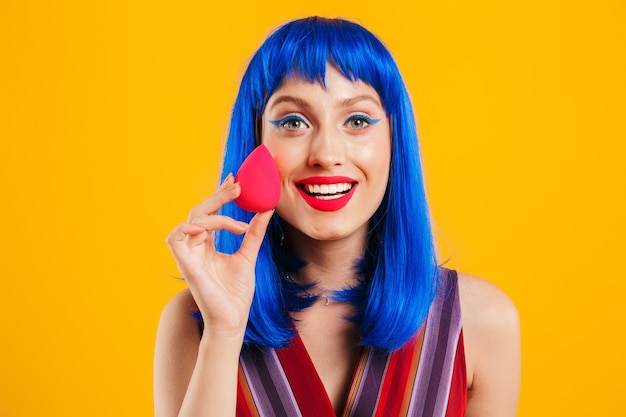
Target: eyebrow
{"x": 290, "y": 99}
{"x": 350, "y": 101}
{"x": 343, "y": 103}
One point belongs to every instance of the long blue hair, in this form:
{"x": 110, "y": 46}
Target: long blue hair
{"x": 398, "y": 272}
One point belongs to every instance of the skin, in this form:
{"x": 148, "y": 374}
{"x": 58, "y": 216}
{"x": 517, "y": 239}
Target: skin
{"x": 326, "y": 133}
{"x": 322, "y": 137}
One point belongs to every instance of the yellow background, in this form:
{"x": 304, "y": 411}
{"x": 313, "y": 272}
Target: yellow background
{"x": 112, "y": 120}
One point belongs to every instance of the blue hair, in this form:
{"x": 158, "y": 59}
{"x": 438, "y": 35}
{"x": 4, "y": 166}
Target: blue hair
{"x": 398, "y": 272}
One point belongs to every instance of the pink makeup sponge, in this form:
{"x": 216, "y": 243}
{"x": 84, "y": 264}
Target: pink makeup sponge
{"x": 259, "y": 180}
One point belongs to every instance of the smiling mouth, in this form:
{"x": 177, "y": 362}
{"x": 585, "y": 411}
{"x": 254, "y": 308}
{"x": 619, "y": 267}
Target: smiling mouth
{"x": 327, "y": 191}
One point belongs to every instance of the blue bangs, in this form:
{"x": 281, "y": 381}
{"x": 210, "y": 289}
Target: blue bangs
{"x": 304, "y": 48}
{"x": 398, "y": 271}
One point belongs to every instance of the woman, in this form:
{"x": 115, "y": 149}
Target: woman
{"x": 333, "y": 304}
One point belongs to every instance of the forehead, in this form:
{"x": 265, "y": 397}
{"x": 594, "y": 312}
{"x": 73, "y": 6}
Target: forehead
{"x": 335, "y": 86}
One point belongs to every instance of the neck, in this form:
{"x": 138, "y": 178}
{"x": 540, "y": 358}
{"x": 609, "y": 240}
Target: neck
{"x": 329, "y": 264}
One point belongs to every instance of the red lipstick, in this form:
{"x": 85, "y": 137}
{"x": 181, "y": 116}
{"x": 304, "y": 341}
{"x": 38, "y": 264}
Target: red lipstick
{"x": 323, "y": 199}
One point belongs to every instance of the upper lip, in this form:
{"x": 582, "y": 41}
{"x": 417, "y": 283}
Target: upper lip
{"x": 326, "y": 180}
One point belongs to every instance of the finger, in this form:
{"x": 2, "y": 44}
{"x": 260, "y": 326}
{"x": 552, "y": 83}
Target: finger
{"x": 227, "y": 192}
{"x": 218, "y": 222}
{"x": 180, "y": 232}
{"x": 254, "y": 237}
{"x": 199, "y": 231}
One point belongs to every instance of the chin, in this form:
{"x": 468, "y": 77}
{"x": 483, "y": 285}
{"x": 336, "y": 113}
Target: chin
{"x": 324, "y": 226}
{"x": 330, "y": 233}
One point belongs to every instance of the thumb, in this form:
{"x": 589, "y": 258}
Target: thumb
{"x": 254, "y": 236}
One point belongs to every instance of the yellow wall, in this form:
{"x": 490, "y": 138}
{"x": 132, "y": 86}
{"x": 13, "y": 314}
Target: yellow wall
{"x": 112, "y": 116}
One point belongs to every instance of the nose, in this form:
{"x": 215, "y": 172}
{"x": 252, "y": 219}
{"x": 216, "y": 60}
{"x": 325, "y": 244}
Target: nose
{"x": 327, "y": 149}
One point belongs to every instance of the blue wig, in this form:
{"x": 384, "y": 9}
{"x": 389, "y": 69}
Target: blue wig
{"x": 398, "y": 271}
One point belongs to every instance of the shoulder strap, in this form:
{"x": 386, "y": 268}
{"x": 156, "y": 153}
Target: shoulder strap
{"x": 415, "y": 380}
{"x": 426, "y": 377}
{"x": 442, "y": 352}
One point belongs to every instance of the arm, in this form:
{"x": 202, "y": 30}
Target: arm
{"x": 492, "y": 344}
{"x": 198, "y": 376}
{"x": 192, "y": 375}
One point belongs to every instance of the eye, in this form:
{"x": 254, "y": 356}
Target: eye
{"x": 360, "y": 121}
{"x": 291, "y": 122}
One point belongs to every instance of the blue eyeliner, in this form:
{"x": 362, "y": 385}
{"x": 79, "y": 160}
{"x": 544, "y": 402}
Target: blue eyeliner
{"x": 364, "y": 117}
{"x": 284, "y": 120}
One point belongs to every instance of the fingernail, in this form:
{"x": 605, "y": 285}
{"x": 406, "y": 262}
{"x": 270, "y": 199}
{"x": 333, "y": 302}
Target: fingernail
{"x": 226, "y": 180}
{"x": 234, "y": 186}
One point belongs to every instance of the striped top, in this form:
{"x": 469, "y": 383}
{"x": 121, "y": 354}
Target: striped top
{"x": 426, "y": 377}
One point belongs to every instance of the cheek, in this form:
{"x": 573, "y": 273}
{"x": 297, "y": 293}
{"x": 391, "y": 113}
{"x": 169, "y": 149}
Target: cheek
{"x": 377, "y": 146}
{"x": 288, "y": 156}
{"x": 287, "y": 164}
{"x": 284, "y": 164}
{"x": 374, "y": 159}
{"x": 378, "y": 163}
{"x": 279, "y": 153}
{"x": 379, "y": 156}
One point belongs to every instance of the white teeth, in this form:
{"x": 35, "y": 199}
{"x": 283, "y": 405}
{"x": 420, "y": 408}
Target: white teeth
{"x": 328, "y": 189}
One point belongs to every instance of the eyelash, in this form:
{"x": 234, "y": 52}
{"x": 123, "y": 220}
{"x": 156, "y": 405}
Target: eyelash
{"x": 282, "y": 123}
{"x": 364, "y": 118}
{"x": 287, "y": 119}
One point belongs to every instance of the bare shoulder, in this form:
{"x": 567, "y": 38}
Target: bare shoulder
{"x": 175, "y": 353}
{"x": 485, "y": 305}
{"x": 180, "y": 308}
{"x": 491, "y": 332}
{"x": 177, "y": 325}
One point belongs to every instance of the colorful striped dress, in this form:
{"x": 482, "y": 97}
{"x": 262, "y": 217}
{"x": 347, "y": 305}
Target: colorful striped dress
{"x": 424, "y": 378}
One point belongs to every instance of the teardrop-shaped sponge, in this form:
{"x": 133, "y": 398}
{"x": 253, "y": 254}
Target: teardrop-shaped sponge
{"x": 259, "y": 180}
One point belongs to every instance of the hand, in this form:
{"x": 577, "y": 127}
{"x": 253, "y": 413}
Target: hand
{"x": 222, "y": 285}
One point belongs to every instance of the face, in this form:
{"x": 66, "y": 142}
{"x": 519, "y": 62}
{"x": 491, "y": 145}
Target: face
{"x": 332, "y": 147}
